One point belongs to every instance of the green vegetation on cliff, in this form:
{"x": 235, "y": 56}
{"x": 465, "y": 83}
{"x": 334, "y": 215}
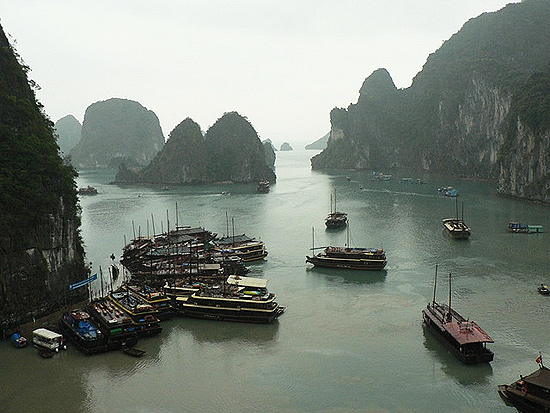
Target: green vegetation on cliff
{"x": 455, "y": 115}
{"x": 37, "y": 191}
{"x": 230, "y": 151}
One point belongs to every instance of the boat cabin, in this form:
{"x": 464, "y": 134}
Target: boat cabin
{"x": 47, "y": 339}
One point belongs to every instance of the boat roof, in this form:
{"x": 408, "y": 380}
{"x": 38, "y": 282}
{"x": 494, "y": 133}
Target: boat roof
{"x": 233, "y": 239}
{"x": 46, "y": 333}
{"x": 468, "y": 332}
{"x": 540, "y": 378}
{"x": 247, "y": 281}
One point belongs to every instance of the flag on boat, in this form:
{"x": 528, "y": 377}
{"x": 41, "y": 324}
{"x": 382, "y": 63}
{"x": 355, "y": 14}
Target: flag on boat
{"x": 83, "y": 282}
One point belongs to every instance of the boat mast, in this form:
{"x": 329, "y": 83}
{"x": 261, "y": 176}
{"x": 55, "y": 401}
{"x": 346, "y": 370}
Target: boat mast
{"x": 462, "y": 210}
{"x": 313, "y": 239}
{"x": 456, "y": 207}
{"x": 449, "y": 293}
{"x": 347, "y": 235}
{"x": 435, "y": 284}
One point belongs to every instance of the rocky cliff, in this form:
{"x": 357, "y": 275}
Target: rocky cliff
{"x": 182, "y": 160}
{"x": 455, "y": 117}
{"x": 115, "y": 131}
{"x": 69, "y": 132}
{"x": 320, "y": 143}
{"x": 229, "y": 151}
{"x": 41, "y": 251}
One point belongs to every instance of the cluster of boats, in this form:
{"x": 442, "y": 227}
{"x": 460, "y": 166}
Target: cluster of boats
{"x": 184, "y": 272}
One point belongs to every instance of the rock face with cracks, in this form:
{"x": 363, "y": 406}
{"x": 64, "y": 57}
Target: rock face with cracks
{"x": 41, "y": 251}
{"x": 477, "y": 109}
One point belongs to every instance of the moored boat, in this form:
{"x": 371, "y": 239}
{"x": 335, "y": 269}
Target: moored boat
{"x": 465, "y": 338}
{"x": 116, "y": 325}
{"x": 154, "y": 297}
{"x": 529, "y": 393}
{"x": 519, "y": 228}
{"x": 242, "y": 299}
{"x": 89, "y": 190}
{"x": 78, "y": 326}
{"x": 18, "y": 340}
{"x": 143, "y": 314}
{"x": 543, "y": 289}
{"x": 246, "y": 248}
{"x": 47, "y": 339}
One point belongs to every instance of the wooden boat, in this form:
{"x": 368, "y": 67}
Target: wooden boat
{"x": 89, "y": 190}
{"x": 246, "y": 248}
{"x": 456, "y": 227}
{"x": 79, "y": 327}
{"x": 242, "y": 299}
{"x": 132, "y": 351}
{"x": 154, "y": 297}
{"x": 336, "y": 219}
{"x": 543, "y": 289}
{"x": 465, "y": 338}
{"x": 529, "y": 393}
{"x": 348, "y": 258}
{"x": 143, "y": 314}
{"x": 263, "y": 187}
{"x": 519, "y": 228}
{"x": 116, "y": 325}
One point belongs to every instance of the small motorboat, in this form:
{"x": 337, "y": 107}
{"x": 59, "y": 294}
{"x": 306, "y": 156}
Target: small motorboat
{"x": 132, "y": 351}
{"x": 543, "y": 289}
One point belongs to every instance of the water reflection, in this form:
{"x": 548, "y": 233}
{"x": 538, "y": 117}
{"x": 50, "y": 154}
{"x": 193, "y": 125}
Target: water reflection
{"x": 207, "y": 331}
{"x": 460, "y": 372}
{"x": 350, "y": 276}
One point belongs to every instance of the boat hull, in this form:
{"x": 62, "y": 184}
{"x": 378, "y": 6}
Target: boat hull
{"x": 485, "y": 356}
{"x": 521, "y": 401}
{"x": 368, "y": 265}
{"x": 81, "y": 344}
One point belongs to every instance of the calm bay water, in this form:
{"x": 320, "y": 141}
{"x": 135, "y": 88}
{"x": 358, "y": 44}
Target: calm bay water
{"x": 349, "y": 341}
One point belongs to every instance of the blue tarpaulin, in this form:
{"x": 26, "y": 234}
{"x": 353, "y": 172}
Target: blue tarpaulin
{"x": 83, "y": 282}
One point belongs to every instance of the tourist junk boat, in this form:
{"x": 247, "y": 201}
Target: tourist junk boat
{"x": 519, "y": 228}
{"x": 154, "y": 297}
{"x": 79, "y": 327}
{"x": 336, "y": 219}
{"x": 242, "y": 299}
{"x": 456, "y": 227}
{"x": 467, "y": 340}
{"x": 143, "y": 315}
{"x": 246, "y": 248}
{"x": 116, "y": 325}
{"x": 529, "y": 393}
{"x": 348, "y": 258}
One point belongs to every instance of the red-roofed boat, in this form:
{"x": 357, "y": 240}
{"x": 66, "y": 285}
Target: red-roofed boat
{"x": 465, "y": 338}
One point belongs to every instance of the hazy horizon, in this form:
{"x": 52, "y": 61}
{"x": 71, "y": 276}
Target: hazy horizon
{"x": 284, "y": 65}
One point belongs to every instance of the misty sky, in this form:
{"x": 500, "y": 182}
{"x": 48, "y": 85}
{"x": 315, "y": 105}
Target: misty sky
{"x": 283, "y": 64}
